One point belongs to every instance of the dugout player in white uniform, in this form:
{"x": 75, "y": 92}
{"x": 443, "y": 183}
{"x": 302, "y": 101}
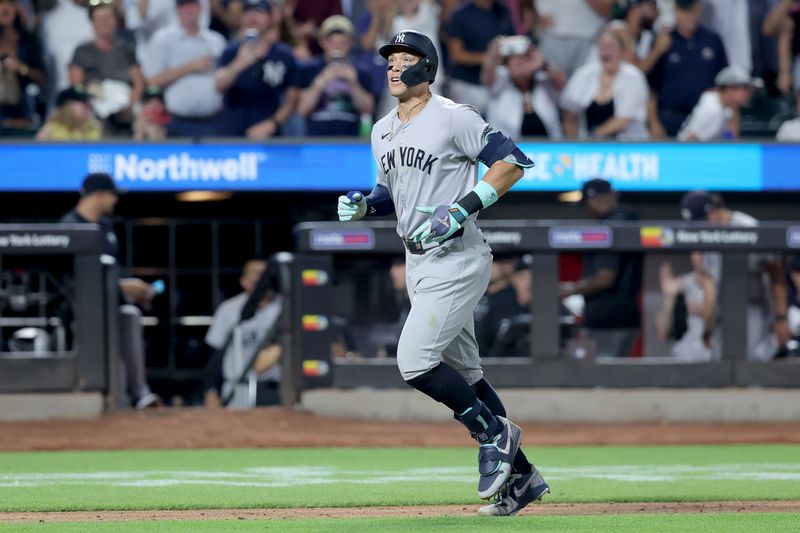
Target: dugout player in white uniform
{"x": 427, "y": 151}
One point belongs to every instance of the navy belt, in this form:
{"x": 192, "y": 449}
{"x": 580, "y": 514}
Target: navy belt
{"x": 417, "y": 248}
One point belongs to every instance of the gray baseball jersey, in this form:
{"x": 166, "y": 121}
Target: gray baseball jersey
{"x": 429, "y": 161}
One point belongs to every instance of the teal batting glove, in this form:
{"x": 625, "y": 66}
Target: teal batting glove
{"x": 443, "y": 222}
{"x": 352, "y": 206}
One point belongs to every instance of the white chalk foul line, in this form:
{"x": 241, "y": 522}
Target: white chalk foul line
{"x": 277, "y": 477}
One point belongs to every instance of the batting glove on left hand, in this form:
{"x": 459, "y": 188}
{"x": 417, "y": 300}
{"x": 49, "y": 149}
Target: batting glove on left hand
{"x": 353, "y": 206}
{"x": 444, "y": 221}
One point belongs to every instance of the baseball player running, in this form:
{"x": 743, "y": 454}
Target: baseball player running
{"x": 427, "y": 151}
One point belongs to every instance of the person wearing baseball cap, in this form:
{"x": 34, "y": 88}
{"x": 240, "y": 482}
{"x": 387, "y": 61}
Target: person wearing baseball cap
{"x": 98, "y": 197}
{"x": 716, "y": 115}
{"x": 688, "y": 59}
{"x": 256, "y": 75}
{"x": 73, "y": 119}
{"x": 336, "y": 92}
{"x": 610, "y": 282}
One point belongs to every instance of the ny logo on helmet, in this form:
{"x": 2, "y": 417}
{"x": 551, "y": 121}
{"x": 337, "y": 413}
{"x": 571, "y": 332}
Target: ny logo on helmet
{"x": 401, "y": 38}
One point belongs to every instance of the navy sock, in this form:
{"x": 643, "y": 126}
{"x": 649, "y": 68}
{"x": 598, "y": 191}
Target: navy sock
{"x": 486, "y": 393}
{"x": 445, "y": 385}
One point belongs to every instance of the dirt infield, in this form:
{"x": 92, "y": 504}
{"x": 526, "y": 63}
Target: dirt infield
{"x": 551, "y": 509}
{"x": 283, "y": 428}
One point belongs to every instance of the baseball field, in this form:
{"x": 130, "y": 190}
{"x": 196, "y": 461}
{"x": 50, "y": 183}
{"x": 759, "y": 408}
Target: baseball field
{"x": 277, "y": 485}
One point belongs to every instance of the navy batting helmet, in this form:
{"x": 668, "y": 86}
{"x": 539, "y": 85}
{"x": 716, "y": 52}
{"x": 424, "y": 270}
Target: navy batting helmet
{"x": 418, "y": 44}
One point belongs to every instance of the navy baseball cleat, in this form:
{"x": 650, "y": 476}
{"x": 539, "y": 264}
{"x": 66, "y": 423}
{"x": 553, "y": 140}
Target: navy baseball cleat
{"x": 496, "y": 459}
{"x": 520, "y": 490}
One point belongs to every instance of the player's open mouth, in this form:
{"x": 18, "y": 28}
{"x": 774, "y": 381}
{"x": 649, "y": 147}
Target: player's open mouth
{"x": 395, "y": 79}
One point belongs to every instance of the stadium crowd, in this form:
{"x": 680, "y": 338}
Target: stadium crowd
{"x": 588, "y": 69}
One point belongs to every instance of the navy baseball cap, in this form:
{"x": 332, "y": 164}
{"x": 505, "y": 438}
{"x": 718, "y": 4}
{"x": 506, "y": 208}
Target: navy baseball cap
{"x": 685, "y": 4}
{"x": 594, "y": 188}
{"x": 98, "y": 181}
{"x": 696, "y": 205}
{"x": 72, "y": 94}
{"x": 260, "y": 5}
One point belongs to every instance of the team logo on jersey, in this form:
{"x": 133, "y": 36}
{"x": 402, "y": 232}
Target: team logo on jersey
{"x": 273, "y": 73}
{"x": 409, "y": 157}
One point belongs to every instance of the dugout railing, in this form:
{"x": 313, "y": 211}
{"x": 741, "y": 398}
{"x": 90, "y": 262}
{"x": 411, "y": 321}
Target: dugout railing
{"x": 547, "y": 366}
{"x": 85, "y": 306}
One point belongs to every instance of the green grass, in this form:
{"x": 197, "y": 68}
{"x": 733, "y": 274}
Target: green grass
{"x": 186, "y": 479}
{"x": 729, "y": 523}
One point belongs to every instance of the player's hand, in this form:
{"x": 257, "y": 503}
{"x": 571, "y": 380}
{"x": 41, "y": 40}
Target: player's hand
{"x": 352, "y": 206}
{"x": 443, "y": 222}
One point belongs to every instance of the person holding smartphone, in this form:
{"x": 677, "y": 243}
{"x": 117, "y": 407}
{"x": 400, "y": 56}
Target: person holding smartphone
{"x": 256, "y": 76}
{"x": 336, "y": 93}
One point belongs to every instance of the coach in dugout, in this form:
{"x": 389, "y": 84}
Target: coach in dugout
{"x": 767, "y": 303}
{"x": 99, "y": 195}
{"x": 610, "y": 282}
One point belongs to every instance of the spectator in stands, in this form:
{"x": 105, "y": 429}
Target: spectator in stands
{"x": 471, "y": 28}
{"x": 63, "y": 28}
{"x": 108, "y": 68}
{"x": 72, "y": 119}
{"x": 767, "y": 320}
{"x": 226, "y": 17}
{"x": 636, "y": 21}
{"x": 99, "y": 195}
{"x": 151, "y": 122}
{"x": 309, "y": 16}
{"x": 790, "y": 129}
{"x": 690, "y": 60}
{"x": 284, "y": 30}
{"x": 524, "y": 89}
{"x": 257, "y": 339}
{"x": 716, "y": 115}
{"x": 375, "y": 26}
{"x": 373, "y": 29}
{"x": 606, "y": 100}
{"x": 688, "y": 311}
{"x": 730, "y": 19}
{"x": 21, "y": 64}
{"x": 186, "y": 72}
{"x": 145, "y": 17}
{"x": 781, "y": 23}
{"x": 764, "y": 49}
{"x": 422, "y": 16}
{"x": 256, "y": 76}
{"x": 610, "y": 282}
{"x": 569, "y": 28}
{"x": 336, "y": 92}
{"x": 499, "y": 302}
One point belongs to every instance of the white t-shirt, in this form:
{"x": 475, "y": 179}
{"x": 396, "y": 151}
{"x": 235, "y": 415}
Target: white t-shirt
{"x": 708, "y": 119}
{"x": 630, "y": 95}
{"x": 789, "y": 131}
{"x": 506, "y": 111}
{"x": 571, "y": 18}
{"x": 63, "y": 28}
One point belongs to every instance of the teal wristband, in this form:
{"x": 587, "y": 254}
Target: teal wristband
{"x": 486, "y": 193}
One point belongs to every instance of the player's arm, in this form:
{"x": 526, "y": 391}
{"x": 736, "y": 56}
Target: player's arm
{"x": 507, "y": 164}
